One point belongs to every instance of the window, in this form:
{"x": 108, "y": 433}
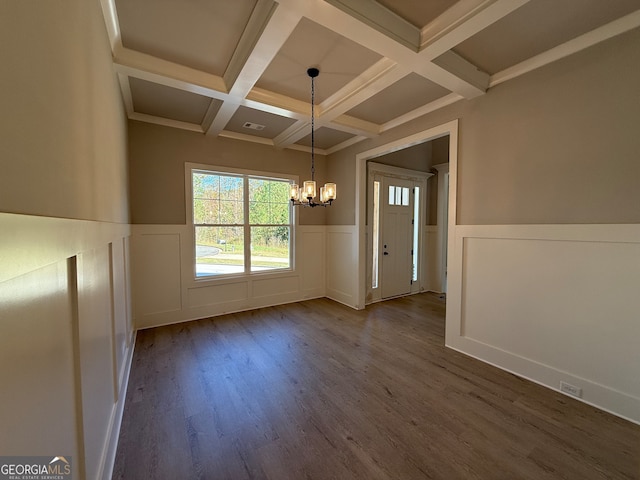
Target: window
{"x": 242, "y": 223}
{"x": 398, "y": 196}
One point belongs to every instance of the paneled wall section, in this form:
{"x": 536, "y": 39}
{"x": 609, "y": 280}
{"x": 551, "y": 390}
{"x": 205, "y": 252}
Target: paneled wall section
{"x": 552, "y": 303}
{"x": 165, "y": 290}
{"x": 66, "y": 341}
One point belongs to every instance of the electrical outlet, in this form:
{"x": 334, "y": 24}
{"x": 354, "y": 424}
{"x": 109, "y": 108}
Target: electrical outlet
{"x": 570, "y": 389}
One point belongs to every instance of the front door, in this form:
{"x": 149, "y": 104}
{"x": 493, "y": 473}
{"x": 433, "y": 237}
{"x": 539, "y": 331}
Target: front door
{"x": 396, "y": 236}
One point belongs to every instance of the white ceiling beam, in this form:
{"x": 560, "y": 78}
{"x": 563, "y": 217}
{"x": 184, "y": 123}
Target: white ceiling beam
{"x": 460, "y": 22}
{"x": 167, "y": 122}
{"x": 376, "y": 78}
{"x": 331, "y": 112}
{"x": 381, "y": 19}
{"x": 210, "y": 115}
{"x": 266, "y": 100}
{"x": 439, "y": 64}
{"x": 345, "y": 144}
{"x": 163, "y": 72}
{"x": 600, "y": 34}
{"x": 110, "y": 16}
{"x": 246, "y": 138}
{"x": 222, "y": 118}
{"x": 420, "y": 111}
{"x": 125, "y": 88}
{"x": 280, "y": 24}
{"x": 352, "y": 28}
{"x": 349, "y": 124}
{"x": 291, "y": 135}
{"x": 254, "y": 29}
{"x": 304, "y": 148}
{"x": 341, "y": 22}
{"x": 461, "y": 68}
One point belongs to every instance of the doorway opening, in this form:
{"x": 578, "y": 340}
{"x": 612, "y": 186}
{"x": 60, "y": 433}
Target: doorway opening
{"x": 433, "y": 247}
{"x": 397, "y": 211}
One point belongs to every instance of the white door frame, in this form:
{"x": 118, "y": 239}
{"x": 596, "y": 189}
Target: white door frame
{"x": 443, "y": 173}
{"x": 451, "y": 129}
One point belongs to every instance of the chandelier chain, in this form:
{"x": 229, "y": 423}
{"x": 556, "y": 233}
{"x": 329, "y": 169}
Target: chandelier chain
{"x": 313, "y": 166}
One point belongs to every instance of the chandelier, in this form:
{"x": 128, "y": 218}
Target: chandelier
{"x": 306, "y": 195}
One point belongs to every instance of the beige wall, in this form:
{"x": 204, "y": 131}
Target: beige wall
{"x": 158, "y": 154}
{"x": 63, "y": 145}
{"x": 557, "y": 145}
{"x": 64, "y": 298}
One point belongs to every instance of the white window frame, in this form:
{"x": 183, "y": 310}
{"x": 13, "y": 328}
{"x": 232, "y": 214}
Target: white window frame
{"x": 222, "y": 170}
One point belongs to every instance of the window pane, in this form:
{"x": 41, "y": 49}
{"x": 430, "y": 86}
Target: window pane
{"x": 219, "y": 250}
{"x": 405, "y": 196}
{"x": 268, "y": 201}
{"x": 217, "y": 199}
{"x": 269, "y": 248}
{"x": 398, "y": 196}
{"x": 392, "y": 195}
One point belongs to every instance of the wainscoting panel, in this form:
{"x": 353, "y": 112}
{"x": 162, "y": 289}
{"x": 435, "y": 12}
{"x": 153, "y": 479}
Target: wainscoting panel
{"x": 552, "y": 303}
{"x": 267, "y": 287}
{"x": 312, "y": 260}
{"x": 38, "y": 414}
{"x": 342, "y": 264}
{"x": 96, "y": 355}
{"x": 120, "y": 307}
{"x": 156, "y": 272}
{"x": 66, "y": 340}
{"x": 206, "y": 295}
{"x": 170, "y": 295}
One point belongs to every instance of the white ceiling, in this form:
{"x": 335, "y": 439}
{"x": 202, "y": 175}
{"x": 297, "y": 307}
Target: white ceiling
{"x": 211, "y": 66}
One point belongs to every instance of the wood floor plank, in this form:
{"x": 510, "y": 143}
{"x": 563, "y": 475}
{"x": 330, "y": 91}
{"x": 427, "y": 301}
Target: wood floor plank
{"x": 317, "y": 390}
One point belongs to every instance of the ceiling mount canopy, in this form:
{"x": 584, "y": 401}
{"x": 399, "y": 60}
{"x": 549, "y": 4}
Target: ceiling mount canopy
{"x": 306, "y": 195}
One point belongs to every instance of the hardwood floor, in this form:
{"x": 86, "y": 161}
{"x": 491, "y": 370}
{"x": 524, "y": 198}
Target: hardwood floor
{"x": 316, "y": 390}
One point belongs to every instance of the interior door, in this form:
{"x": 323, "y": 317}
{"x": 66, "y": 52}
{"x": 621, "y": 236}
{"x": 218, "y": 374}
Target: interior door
{"x": 396, "y": 237}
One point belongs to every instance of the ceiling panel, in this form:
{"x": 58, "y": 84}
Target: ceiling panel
{"x": 273, "y": 124}
{"x": 402, "y": 97}
{"x": 201, "y": 34}
{"x": 325, "y": 138}
{"x": 310, "y": 45}
{"x": 167, "y": 102}
{"x": 418, "y": 12}
{"x": 536, "y": 27}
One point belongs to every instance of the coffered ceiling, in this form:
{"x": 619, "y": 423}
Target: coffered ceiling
{"x": 237, "y": 68}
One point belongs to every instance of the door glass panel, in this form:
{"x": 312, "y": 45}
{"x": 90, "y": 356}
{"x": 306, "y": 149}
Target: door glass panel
{"x": 416, "y": 233}
{"x": 375, "y": 234}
